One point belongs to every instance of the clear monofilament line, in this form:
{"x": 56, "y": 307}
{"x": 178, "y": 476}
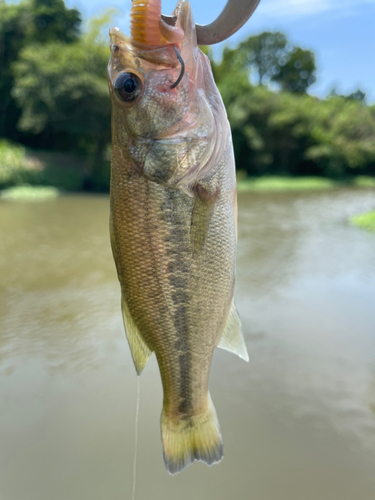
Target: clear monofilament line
{"x": 136, "y": 435}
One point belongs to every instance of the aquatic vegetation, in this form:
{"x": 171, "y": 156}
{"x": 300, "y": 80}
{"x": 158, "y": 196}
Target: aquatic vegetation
{"x": 364, "y": 221}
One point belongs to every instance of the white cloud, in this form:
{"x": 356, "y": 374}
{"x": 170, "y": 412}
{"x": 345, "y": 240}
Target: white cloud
{"x": 300, "y": 8}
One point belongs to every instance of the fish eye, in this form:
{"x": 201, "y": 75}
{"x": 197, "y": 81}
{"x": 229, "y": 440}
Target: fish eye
{"x": 128, "y": 87}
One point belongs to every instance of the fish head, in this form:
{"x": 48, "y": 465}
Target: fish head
{"x": 168, "y": 133}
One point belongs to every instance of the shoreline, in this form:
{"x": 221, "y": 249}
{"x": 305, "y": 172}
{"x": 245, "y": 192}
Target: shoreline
{"x": 248, "y": 184}
{"x": 280, "y": 183}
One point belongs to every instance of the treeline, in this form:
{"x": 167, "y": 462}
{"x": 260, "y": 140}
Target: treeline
{"x": 277, "y": 127}
{"x": 54, "y": 96}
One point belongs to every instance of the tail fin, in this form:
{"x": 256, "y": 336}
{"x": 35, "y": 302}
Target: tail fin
{"x": 194, "y": 438}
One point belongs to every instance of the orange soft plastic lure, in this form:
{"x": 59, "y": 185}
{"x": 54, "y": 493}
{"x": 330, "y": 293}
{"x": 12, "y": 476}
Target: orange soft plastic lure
{"x": 147, "y": 26}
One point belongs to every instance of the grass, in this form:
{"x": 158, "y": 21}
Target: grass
{"x": 29, "y": 193}
{"x": 278, "y": 183}
{"x": 364, "y": 221}
{"x": 364, "y": 181}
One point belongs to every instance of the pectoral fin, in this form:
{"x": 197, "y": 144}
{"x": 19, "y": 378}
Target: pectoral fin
{"x": 138, "y": 348}
{"x": 232, "y": 339}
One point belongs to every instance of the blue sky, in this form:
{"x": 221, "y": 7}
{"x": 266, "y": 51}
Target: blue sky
{"x": 340, "y": 32}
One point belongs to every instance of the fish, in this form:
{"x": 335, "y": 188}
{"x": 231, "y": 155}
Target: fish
{"x": 173, "y": 213}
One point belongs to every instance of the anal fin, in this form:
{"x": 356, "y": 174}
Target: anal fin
{"x": 232, "y": 339}
{"x": 138, "y": 348}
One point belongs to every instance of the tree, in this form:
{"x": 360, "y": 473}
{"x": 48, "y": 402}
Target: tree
{"x": 52, "y": 21}
{"x": 271, "y": 58}
{"x": 358, "y": 95}
{"x": 30, "y": 21}
{"x": 13, "y": 27}
{"x": 62, "y": 89}
{"x": 295, "y": 70}
{"x": 343, "y": 136}
{"x": 264, "y": 53}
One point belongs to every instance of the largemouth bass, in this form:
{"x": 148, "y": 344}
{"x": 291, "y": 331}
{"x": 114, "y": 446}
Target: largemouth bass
{"x": 173, "y": 222}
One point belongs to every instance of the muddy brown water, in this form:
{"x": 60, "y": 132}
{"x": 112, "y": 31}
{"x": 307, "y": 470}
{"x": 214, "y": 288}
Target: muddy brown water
{"x": 298, "y": 421}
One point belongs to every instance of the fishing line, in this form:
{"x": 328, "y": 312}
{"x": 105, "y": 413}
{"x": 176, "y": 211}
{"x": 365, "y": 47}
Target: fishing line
{"x": 136, "y": 435}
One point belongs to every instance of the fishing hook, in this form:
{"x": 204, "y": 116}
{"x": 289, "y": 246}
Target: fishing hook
{"x": 232, "y": 18}
{"x": 182, "y": 68}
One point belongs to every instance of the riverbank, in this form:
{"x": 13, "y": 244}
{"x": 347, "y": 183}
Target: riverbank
{"x": 256, "y": 184}
{"x": 20, "y": 166}
{"x": 29, "y": 193}
{"x": 279, "y": 183}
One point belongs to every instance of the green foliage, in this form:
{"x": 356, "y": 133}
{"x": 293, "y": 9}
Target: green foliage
{"x": 277, "y": 183}
{"x": 296, "y": 72}
{"x": 62, "y": 90}
{"x": 63, "y": 87}
{"x": 52, "y": 21}
{"x": 13, "y": 24}
{"x": 264, "y": 53}
{"x": 272, "y": 58}
{"x": 12, "y": 164}
{"x": 365, "y": 221}
{"x": 16, "y": 169}
{"x": 364, "y": 181}
{"x": 343, "y": 136}
{"x": 30, "y": 21}
{"x": 29, "y": 193}
{"x": 54, "y": 96}
{"x": 357, "y": 95}
{"x": 65, "y": 179}
{"x": 291, "y": 132}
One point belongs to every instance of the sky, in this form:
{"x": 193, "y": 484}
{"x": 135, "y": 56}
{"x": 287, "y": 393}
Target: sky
{"x": 339, "y": 32}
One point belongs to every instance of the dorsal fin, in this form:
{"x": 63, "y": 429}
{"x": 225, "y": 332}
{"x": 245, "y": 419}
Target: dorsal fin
{"x": 138, "y": 348}
{"x": 232, "y": 339}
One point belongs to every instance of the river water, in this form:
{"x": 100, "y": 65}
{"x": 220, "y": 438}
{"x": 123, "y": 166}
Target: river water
{"x": 298, "y": 421}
